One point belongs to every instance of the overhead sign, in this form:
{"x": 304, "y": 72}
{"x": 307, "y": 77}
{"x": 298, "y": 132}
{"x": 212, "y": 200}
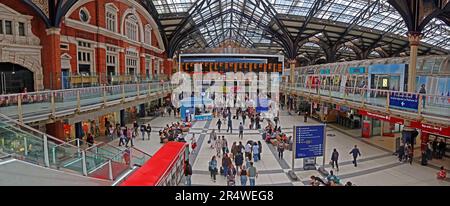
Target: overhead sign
{"x": 224, "y": 60}
{"x": 325, "y": 71}
{"x": 444, "y": 131}
{"x": 356, "y": 70}
{"x": 309, "y": 141}
{"x": 404, "y": 101}
{"x": 381, "y": 117}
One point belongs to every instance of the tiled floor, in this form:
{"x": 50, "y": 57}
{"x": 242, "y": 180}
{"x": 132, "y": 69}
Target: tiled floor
{"x": 376, "y": 166}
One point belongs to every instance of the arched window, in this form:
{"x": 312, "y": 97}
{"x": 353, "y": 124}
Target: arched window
{"x": 148, "y": 35}
{"x": 131, "y": 27}
{"x": 111, "y": 18}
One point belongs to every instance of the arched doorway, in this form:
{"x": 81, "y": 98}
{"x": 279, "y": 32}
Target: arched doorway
{"x": 14, "y": 78}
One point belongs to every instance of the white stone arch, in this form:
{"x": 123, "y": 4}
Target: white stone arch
{"x": 132, "y": 11}
{"x": 29, "y": 61}
{"x": 134, "y": 4}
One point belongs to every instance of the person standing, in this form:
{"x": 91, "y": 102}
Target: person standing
{"x": 252, "y": 174}
{"x": 240, "y": 147}
{"x": 243, "y": 117}
{"x": 255, "y": 152}
{"x": 435, "y": 148}
{"x": 422, "y": 91}
{"x": 280, "y": 150}
{"x": 241, "y": 131}
{"x": 234, "y": 149}
{"x": 122, "y": 137}
{"x": 148, "y": 129}
{"x": 219, "y": 124}
{"x": 111, "y": 132}
{"x": 355, "y": 152}
{"x": 305, "y": 118}
{"x": 243, "y": 175}
{"x": 187, "y": 172}
{"x": 238, "y": 160}
{"x": 213, "y": 168}
{"x": 334, "y": 159}
{"x": 90, "y": 140}
{"x": 230, "y": 124}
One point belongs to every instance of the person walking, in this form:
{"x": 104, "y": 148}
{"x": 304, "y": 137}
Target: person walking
{"x": 355, "y": 152}
{"x": 143, "y": 131}
{"x": 259, "y": 150}
{"x": 255, "y": 152}
{"x": 224, "y": 145}
{"x": 231, "y": 176}
{"x": 187, "y": 172}
{"x": 241, "y": 131}
{"x": 213, "y": 168}
{"x": 212, "y": 139}
{"x": 238, "y": 160}
{"x": 243, "y": 175}
{"x": 111, "y": 132}
{"x": 234, "y": 150}
{"x": 226, "y": 161}
{"x": 334, "y": 159}
{"x": 240, "y": 147}
{"x": 252, "y": 174}
{"x": 280, "y": 148}
{"x": 122, "y": 137}
{"x": 129, "y": 136}
{"x": 442, "y": 147}
{"x": 422, "y": 92}
{"x": 230, "y": 124}
{"x": 219, "y": 124}
{"x": 218, "y": 146}
{"x": 248, "y": 151}
{"x": 148, "y": 129}
{"x": 243, "y": 117}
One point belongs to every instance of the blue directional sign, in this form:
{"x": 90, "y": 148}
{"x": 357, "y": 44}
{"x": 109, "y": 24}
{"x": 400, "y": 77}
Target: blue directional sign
{"x": 309, "y": 141}
{"x": 404, "y": 101}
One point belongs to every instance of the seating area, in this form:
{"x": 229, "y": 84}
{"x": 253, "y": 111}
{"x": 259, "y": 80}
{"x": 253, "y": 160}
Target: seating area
{"x": 273, "y": 134}
{"x": 174, "y": 131}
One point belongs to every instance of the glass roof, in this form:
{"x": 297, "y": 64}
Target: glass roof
{"x": 243, "y": 20}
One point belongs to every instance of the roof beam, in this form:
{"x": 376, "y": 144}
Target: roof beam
{"x": 312, "y": 12}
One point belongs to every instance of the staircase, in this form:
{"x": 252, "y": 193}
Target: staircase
{"x": 103, "y": 161}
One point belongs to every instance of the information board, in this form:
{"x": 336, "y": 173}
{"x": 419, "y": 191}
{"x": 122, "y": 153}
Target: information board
{"x": 309, "y": 141}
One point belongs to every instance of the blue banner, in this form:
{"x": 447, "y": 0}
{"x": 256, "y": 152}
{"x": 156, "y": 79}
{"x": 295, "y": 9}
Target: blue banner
{"x": 356, "y": 70}
{"x": 309, "y": 141}
{"x": 404, "y": 101}
{"x": 262, "y": 105}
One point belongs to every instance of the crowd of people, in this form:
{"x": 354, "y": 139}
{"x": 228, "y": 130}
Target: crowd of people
{"x": 174, "y": 131}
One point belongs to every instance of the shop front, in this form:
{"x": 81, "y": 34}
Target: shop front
{"x": 430, "y": 133}
{"x": 347, "y": 117}
{"x": 374, "y": 124}
{"x": 96, "y": 126}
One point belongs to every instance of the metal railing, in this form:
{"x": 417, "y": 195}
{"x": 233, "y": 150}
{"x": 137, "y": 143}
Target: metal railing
{"x": 433, "y": 105}
{"x": 61, "y": 102}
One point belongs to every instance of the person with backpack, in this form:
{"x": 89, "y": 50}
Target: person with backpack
{"x": 187, "y": 172}
{"x": 334, "y": 159}
{"x": 148, "y": 129}
{"x": 241, "y": 131}
{"x": 213, "y": 168}
{"x": 252, "y": 174}
{"x": 355, "y": 152}
{"x": 239, "y": 160}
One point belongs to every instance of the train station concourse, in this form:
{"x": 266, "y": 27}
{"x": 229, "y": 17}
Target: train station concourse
{"x": 224, "y": 93}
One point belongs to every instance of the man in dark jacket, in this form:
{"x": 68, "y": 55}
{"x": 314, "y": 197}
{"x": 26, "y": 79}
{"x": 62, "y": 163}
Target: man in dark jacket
{"x": 435, "y": 148}
{"x": 238, "y": 160}
{"x": 334, "y": 159}
{"x": 355, "y": 152}
{"x": 442, "y": 147}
